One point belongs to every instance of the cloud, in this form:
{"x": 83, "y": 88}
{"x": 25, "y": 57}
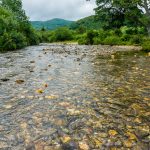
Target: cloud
{"x": 66, "y": 9}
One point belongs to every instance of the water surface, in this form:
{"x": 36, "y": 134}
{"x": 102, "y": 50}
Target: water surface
{"x": 69, "y": 97}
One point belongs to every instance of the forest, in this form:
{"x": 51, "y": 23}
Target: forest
{"x": 115, "y": 23}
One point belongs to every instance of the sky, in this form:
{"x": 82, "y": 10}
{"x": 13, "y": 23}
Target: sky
{"x": 40, "y": 10}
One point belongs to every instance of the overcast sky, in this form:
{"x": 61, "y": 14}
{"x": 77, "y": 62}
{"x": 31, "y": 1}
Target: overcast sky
{"x": 65, "y": 9}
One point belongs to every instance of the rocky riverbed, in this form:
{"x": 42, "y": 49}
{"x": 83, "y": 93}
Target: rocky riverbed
{"x": 71, "y": 97}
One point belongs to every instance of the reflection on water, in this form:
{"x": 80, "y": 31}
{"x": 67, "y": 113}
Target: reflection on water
{"x": 61, "y": 97}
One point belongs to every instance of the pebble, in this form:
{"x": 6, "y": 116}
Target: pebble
{"x": 70, "y": 146}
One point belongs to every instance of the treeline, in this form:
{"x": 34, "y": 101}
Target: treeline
{"x": 15, "y": 30}
{"x": 121, "y": 36}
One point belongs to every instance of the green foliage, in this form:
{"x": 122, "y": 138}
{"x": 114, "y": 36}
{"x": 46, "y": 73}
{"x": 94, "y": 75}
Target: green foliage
{"x": 62, "y": 34}
{"x": 81, "y": 30}
{"x": 133, "y": 30}
{"x": 112, "y": 37}
{"x": 15, "y": 30}
{"x": 136, "y": 39}
{"x": 97, "y": 41}
{"x": 12, "y": 40}
{"x": 146, "y": 45}
{"x": 112, "y": 40}
{"x": 90, "y": 36}
{"x": 118, "y": 13}
{"x": 45, "y": 36}
{"x": 102, "y": 34}
{"x": 16, "y": 8}
{"x": 126, "y": 37}
{"x": 82, "y": 40}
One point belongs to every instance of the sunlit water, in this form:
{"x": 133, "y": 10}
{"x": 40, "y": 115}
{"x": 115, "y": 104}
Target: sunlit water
{"x": 65, "y": 97}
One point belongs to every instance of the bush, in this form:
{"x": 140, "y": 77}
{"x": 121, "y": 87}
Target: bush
{"x": 126, "y": 37}
{"x": 117, "y": 32}
{"x": 82, "y": 40}
{"x": 97, "y": 41}
{"x": 62, "y": 34}
{"x": 34, "y": 39}
{"x": 112, "y": 40}
{"x": 12, "y": 41}
{"x": 142, "y": 30}
{"x": 6, "y": 42}
{"x": 136, "y": 39}
{"x": 88, "y": 38}
{"x": 132, "y": 30}
{"x": 81, "y": 30}
{"x": 19, "y": 39}
{"x": 146, "y": 45}
{"x": 103, "y": 34}
{"x": 129, "y": 30}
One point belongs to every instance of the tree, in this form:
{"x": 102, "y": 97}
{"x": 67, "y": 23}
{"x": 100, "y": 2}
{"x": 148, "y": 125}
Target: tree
{"x": 116, "y": 13}
{"x": 15, "y": 29}
{"x": 144, "y": 6}
{"x": 16, "y": 7}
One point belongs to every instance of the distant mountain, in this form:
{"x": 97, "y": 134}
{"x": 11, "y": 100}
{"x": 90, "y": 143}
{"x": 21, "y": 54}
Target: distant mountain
{"x": 51, "y": 24}
{"x": 87, "y": 22}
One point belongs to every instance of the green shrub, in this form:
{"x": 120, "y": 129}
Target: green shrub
{"x": 112, "y": 40}
{"x": 19, "y": 39}
{"x": 90, "y": 36}
{"x": 129, "y": 30}
{"x": 125, "y": 37}
{"x": 82, "y": 40}
{"x": 136, "y": 39}
{"x": 97, "y": 41}
{"x": 102, "y": 35}
{"x": 142, "y": 30}
{"x": 81, "y": 30}
{"x": 12, "y": 41}
{"x": 62, "y": 34}
{"x": 146, "y": 45}
{"x": 6, "y": 42}
{"x": 132, "y": 30}
{"x": 29, "y": 33}
{"x": 117, "y": 32}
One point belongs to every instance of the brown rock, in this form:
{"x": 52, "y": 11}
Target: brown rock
{"x": 19, "y": 81}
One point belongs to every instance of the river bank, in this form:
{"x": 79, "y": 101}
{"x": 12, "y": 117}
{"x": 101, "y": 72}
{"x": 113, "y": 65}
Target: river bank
{"x": 91, "y": 49}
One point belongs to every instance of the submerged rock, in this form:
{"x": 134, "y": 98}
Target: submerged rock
{"x": 4, "y": 79}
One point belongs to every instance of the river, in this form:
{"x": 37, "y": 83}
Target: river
{"x": 71, "y": 97}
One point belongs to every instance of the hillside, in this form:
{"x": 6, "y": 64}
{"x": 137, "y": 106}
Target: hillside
{"x": 51, "y": 24}
{"x": 87, "y": 22}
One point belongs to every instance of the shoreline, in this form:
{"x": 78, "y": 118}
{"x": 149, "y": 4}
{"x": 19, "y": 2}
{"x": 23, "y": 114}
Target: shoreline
{"x": 92, "y": 50}
{"x": 127, "y": 47}
{"x": 99, "y": 48}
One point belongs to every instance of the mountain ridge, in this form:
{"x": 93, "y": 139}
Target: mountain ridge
{"x": 89, "y": 22}
{"x": 51, "y": 24}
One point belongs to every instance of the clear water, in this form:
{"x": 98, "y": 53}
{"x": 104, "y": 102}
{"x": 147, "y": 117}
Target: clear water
{"x": 73, "y": 98}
